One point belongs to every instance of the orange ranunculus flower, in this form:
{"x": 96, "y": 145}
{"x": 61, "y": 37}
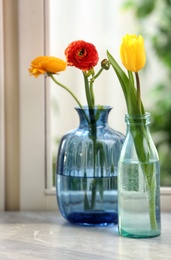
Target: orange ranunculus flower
{"x": 132, "y": 52}
{"x": 43, "y": 64}
{"x": 82, "y": 55}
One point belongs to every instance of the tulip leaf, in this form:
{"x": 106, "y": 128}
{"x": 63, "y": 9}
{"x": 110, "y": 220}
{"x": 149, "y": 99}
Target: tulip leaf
{"x": 127, "y": 84}
{"x": 120, "y": 73}
{"x": 122, "y": 77}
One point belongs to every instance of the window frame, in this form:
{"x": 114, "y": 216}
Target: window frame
{"x": 33, "y": 141}
{"x": 32, "y": 103}
{"x": 2, "y": 134}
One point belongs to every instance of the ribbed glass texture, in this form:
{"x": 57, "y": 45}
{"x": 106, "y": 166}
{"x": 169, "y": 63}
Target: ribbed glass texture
{"x": 139, "y": 181}
{"x": 86, "y": 180}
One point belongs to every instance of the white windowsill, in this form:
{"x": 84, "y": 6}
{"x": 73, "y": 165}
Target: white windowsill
{"x": 165, "y": 196}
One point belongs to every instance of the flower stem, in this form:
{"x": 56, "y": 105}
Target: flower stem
{"x": 151, "y": 187}
{"x": 98, "y": 73}
{"x": 92, "y": 93}
{"x": 94, "y": 139}
{"x": 69, "y": 91}
{"x": 88, "y": 94}
{"x": 91, "y": 85}
{"x": 63, "y": 86}
{"x": 141, "y": 141}
{"x": 138, "y": 91}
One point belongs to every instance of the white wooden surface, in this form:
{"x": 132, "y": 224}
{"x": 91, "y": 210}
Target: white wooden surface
{"x": 46, "y": 235}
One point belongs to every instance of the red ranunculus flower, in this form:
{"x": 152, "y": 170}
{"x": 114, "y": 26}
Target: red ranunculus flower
{"x": 82, "y": 55}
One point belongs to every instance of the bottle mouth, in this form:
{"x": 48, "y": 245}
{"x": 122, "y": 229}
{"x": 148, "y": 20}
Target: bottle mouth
{"x": 138, "y": 119}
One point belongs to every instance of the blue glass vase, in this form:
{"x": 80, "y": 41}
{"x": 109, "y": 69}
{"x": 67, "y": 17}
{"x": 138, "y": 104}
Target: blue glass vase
{"x": 86, "y": 179}
{"x": 139, "y": 181}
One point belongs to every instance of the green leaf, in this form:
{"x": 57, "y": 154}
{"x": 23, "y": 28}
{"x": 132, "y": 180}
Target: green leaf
{"x": 122, "y": 77}
{"x": 127, "y": 84}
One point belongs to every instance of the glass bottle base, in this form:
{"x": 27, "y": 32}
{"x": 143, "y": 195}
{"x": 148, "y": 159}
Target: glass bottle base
{"x": 139, "y": 234}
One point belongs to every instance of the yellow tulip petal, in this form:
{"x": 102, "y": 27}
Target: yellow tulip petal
{"x": 132, "y": 52}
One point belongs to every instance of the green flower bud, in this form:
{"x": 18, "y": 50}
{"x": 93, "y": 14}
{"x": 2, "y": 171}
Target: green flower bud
{"x": 105, "y": 64}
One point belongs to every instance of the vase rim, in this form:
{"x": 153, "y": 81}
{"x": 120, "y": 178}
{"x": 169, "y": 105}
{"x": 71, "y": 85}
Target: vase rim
{"x": 105, "y": 107}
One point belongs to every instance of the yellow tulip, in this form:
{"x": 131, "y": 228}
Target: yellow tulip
{"x": 43, "y": 64}
{"x": 132, "y": 52}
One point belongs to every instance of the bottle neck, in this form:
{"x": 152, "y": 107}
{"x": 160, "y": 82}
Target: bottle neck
{"x": 139, "y": 120}
{"x": 138, "y": 123}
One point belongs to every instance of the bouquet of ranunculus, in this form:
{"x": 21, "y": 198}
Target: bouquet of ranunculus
{"x": 80, "y": 54}
{"x": 84, "y": 56}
